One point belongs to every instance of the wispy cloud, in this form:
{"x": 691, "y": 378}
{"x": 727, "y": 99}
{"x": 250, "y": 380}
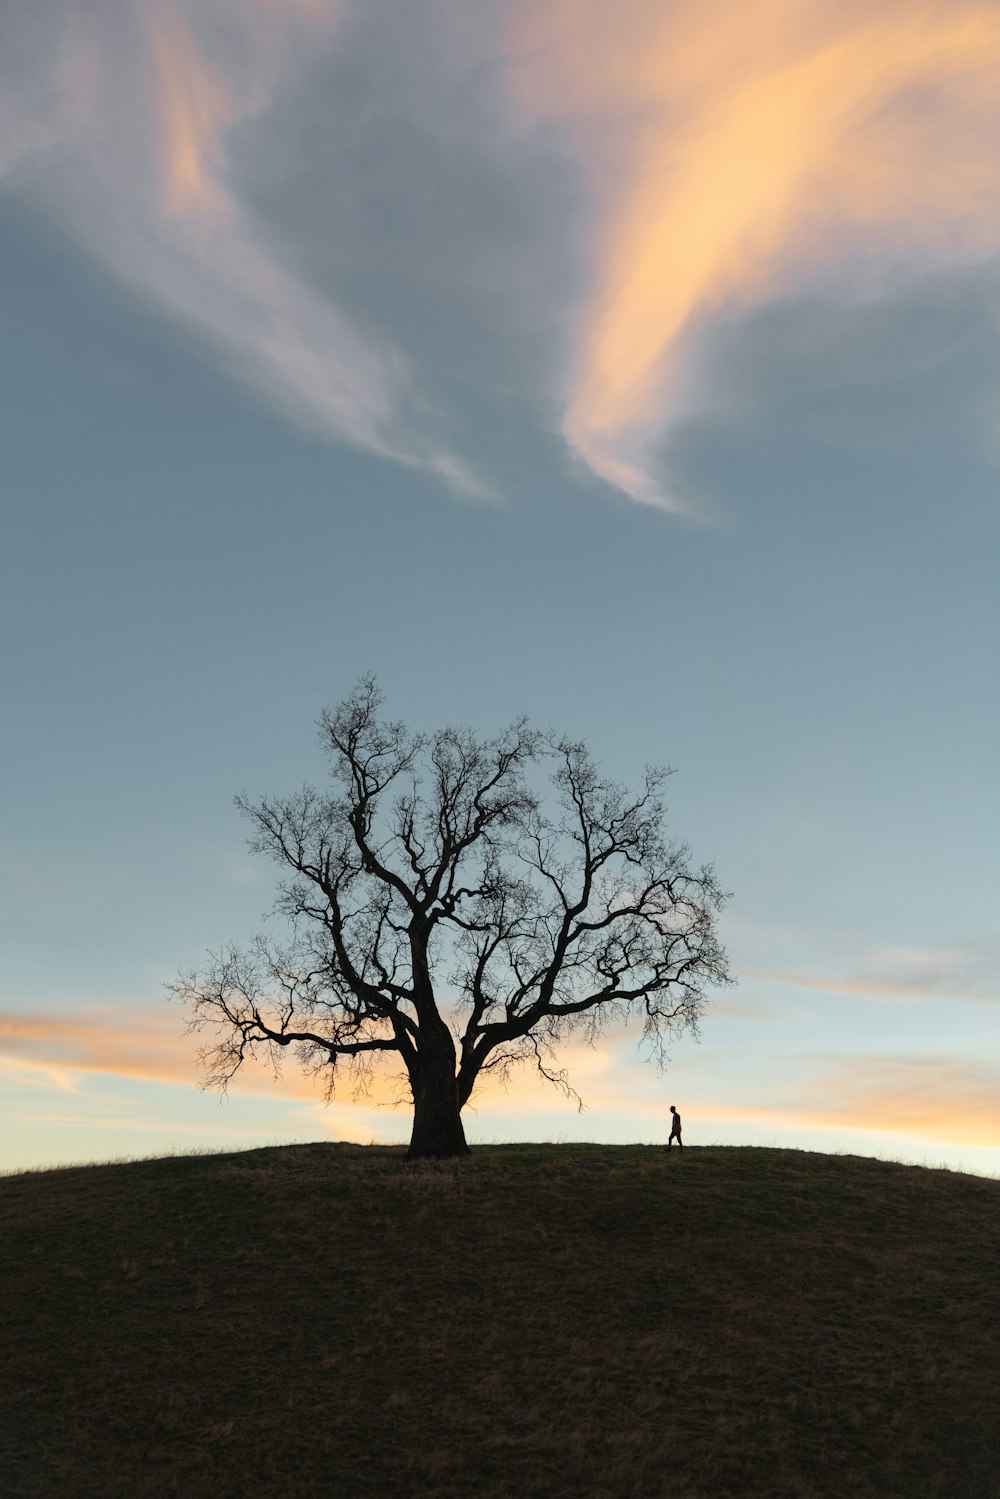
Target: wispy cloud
{"x": 147, "y": 1045}
{"x": 949, "y": 1100}
{"x": 128, "y": 125}
{"x": 734, "y": 154}
{"x": 51, "y": 1049}
{"x": 60, "y": 1073}
{"x": 54, "y": 1046}
{"x": 730, "y": 156}
{"x": 899, "y": 973}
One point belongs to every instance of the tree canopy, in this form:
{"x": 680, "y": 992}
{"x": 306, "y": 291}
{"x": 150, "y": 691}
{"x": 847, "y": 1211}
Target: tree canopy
{"x": 451, "y": 907}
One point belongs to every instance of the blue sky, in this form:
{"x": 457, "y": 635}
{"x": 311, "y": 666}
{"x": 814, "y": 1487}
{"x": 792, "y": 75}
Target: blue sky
{"x": 335, "y": 339}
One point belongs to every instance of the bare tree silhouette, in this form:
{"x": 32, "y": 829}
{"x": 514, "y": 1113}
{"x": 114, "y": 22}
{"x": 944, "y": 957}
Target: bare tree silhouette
{"x": 445, "y": 911}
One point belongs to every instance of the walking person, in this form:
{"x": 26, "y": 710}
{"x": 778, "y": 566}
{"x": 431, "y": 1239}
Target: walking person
{"x": 675, "y": 1129}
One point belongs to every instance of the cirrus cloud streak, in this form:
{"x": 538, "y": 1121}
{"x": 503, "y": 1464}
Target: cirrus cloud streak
{"x": 127, "y": 125}
{"x": 737, "y": 153}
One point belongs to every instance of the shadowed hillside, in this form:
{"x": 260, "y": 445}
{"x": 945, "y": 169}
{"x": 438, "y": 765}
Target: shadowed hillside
{"x": 538, "y": 1321}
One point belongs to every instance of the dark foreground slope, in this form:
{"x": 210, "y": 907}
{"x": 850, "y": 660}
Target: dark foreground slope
{"x": 537, "y": 1321}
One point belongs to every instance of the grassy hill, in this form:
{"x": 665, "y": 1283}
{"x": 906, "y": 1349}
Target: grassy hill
{"x": 536, "y": 1321}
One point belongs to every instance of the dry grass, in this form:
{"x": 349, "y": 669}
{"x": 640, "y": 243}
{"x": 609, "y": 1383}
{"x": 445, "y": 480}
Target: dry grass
{"x": 538, "y": 1321}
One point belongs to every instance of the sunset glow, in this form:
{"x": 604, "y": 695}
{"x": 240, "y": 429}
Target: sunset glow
{"x": 629, "y": 369}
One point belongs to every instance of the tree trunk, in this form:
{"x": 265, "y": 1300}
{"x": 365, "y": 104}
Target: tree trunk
{"x": 437, "y": 1119}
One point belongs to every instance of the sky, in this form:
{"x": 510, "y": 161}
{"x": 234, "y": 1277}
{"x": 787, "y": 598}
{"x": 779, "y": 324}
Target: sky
{"x": 633, "y": 368}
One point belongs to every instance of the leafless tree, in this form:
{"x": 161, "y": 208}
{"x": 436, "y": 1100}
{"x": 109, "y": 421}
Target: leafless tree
{"x": 443, "y": 910}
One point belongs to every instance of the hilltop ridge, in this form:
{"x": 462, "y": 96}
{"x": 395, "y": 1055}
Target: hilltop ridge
{"x": 535, "y": 1320}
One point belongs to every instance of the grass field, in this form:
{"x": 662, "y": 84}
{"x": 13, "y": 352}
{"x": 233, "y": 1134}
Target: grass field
{"x": 535, "y": 1321}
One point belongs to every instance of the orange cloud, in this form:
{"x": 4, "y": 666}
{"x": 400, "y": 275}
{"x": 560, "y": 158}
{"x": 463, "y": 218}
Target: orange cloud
{"x": 734, "y": 149}
{"x": 49, "y": 1054}
{"x": 194, "y": 108}
{"x": 152, "y": 1047}
{"x": 953, "y": 1101}
{"x": 948, "y": 1101}
{"x": 196, "y": 105}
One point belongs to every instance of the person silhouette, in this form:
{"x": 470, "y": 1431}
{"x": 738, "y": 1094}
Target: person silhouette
{"x": 675, "y": 1129}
